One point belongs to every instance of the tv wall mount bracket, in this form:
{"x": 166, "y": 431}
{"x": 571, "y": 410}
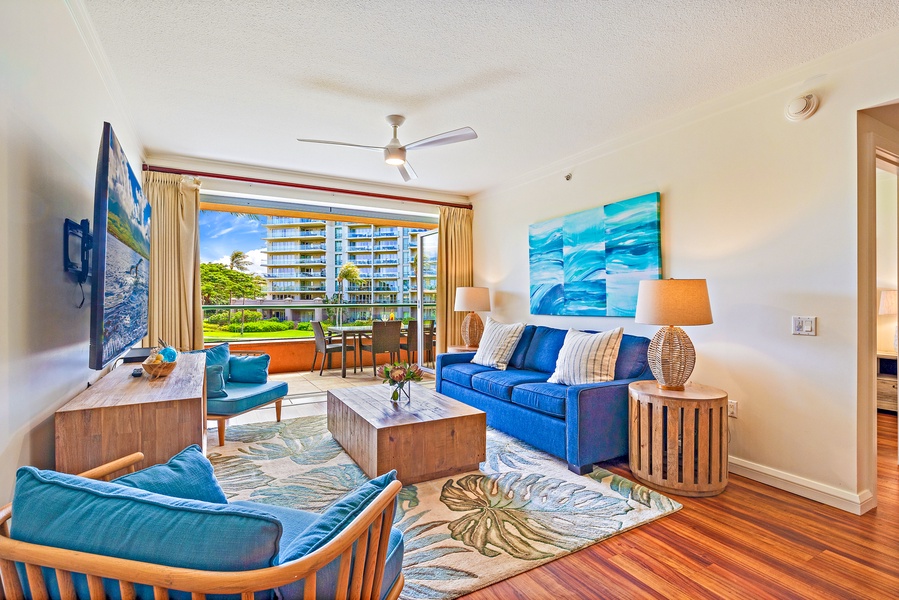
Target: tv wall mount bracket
{"x": 82, "y": 232}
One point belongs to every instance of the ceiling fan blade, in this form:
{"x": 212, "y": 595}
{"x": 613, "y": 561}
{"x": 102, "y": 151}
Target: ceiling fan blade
{"x": 407, "y": 172}
{"x": 378, "y": 148}
{"x": 441, "y": 139}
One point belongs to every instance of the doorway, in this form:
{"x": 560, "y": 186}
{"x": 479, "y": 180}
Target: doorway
{"x": 878, "y": 272}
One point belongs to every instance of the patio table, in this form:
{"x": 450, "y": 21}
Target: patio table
{"x": 356, "y": 330}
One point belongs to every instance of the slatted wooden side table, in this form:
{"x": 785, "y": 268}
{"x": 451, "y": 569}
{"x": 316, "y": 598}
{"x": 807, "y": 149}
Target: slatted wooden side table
{"x": 678, "y": 439}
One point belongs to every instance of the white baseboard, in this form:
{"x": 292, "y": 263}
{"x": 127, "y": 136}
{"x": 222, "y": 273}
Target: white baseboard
{"x": 857, "y": 504}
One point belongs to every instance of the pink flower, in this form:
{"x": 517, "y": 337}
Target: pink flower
{"x": 398, "y": 374}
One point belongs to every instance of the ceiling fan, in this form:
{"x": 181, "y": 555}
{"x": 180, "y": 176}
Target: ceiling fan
{"x": 395, "y": 153}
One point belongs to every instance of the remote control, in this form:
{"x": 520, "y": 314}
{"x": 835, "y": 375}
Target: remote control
{"x": 137, "y": 372}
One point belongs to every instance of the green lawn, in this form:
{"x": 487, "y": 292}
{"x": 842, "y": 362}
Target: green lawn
{"x": 227, "y": 336}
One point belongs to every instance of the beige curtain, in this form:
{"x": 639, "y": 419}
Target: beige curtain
{"x": 454, "y": 269}
{"x": 176, "y": 313}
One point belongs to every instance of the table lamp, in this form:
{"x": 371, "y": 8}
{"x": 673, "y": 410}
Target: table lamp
{"x": 472, "y": 299}
{"x": 672, "y": 302}
{"x": 889, "y": 305}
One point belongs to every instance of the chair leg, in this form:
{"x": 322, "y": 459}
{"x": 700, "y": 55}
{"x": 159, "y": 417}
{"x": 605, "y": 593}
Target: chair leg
{"x": 314, "y": 356}
{"x": 221, "y": 423}
{"x": 323, "y": 364}
{"x": 278, "y": 410}
{"x": 329, "y": 360}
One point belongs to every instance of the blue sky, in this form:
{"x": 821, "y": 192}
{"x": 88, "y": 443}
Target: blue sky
{"x": 222, "y": 233}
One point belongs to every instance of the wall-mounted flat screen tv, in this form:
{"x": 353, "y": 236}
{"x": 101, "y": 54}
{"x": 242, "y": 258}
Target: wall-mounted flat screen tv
{"x": 120, "y": 270}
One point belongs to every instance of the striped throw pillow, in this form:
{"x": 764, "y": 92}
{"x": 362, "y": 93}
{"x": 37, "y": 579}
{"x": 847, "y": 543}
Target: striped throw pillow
{"x": 587, "y": 357}
{"x": 497, "y": 344}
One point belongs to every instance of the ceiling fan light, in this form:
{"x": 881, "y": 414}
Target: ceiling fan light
{"x": 395, "y": 156}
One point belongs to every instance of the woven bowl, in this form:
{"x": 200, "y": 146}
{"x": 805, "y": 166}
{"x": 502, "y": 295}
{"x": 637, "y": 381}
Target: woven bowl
{"x": 158, "y": 369}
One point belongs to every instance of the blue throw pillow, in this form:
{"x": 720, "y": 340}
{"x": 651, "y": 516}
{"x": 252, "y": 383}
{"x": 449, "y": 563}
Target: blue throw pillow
{"x": 215, "y": 382}
{"x": 249, "y": 369}
{"x": 335, "y": 519}
{"x": 217, "y": 355}
{"x": 188, "y": 474}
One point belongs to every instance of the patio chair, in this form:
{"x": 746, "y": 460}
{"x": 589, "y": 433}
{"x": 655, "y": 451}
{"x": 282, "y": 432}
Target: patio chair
{"x": 385, "y": 337}
{"x": 323, "y": 345}
{"x": 411, "y": 343}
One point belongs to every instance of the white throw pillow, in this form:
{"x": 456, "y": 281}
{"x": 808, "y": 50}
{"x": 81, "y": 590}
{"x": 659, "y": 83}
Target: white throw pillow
{"x": 497, "y": 344}
{"x": 587, "y": 357}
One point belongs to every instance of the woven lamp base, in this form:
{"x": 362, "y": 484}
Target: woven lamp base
{"x": 671, "y": 357}
{"x": 472, "y": 329}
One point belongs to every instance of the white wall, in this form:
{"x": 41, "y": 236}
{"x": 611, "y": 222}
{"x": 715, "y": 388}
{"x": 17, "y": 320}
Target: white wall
{"x": 765, "y": 209}
{"x": 52, "y": 106}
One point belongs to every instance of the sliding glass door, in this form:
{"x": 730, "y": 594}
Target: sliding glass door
{"x": 426, "y": 298}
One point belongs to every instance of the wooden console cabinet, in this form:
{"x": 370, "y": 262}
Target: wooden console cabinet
{"x": 121, "y": 414}
{"x": 887, "y": 390}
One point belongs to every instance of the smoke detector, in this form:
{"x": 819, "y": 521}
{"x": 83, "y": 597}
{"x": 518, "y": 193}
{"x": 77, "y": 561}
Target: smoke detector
{"x": 801, "y": 108}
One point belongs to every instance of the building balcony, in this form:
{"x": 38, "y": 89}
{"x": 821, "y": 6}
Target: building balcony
{"x": 387, "y": 261}
{"x": 291, "y": 221}
{"x": 359, "y": 248}
{"x": 385, "y": 275}
{"x": 386, "y": 233}
{"x": 296, "y": 288}
{"x": 356, "y": 235}
{"x": 386, "y": 248}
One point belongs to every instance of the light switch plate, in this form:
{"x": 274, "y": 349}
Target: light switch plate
{"x": 805, "y": 325}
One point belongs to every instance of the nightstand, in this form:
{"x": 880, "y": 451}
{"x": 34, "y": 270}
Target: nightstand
{"x": 678, "y": 439}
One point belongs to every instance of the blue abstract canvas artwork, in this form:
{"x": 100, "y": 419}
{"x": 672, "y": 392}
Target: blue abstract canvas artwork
{"x": 589, "y": 263}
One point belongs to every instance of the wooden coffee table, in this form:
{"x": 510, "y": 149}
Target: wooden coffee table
{"x": 431, "y": 437}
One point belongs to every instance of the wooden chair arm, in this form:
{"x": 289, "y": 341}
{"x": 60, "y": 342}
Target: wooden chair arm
{"x": 126, "y": 462}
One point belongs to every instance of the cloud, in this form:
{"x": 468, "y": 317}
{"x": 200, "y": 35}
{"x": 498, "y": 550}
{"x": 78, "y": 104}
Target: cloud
{"x": 223, "y": 232}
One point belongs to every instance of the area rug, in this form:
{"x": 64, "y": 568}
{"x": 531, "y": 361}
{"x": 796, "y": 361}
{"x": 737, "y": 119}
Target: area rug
{"x": 521, "y": 510}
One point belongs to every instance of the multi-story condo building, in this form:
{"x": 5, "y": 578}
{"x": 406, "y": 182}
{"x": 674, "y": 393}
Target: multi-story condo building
{"x": 305, "y": 256}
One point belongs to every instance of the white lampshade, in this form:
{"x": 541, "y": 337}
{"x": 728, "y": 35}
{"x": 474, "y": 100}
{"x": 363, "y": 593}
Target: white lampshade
{"x": 472, "y": 298}
{"x": 673, "y": 302}
{"x": 889, "y": 303}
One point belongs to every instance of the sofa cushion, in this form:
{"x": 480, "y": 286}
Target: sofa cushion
{"x": 67, "y": 511}
{"x": 631, "y": 357}
{"x": 498, "y": 343}
{"x": 334, "y": 520}
{"x": 295, "y": 522}
{"x": 215, "y": 382}
{"x": 548, "y": 398}
{"x": 249, "y": 369}
{"x": 188, "y": 474}
{"x": 461, "y": 373}
{"x": 521, "y": 350}
{"x": 587, "y": 357}
{"x": 543, "y": 351}
{"x": 500, "y": 384}
{"x": 245, "y": 396}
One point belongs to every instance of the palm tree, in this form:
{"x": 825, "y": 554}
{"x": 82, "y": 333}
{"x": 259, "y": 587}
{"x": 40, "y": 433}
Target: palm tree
{"x": 239, "y": 261}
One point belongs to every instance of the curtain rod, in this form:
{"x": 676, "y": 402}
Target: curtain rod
{"x": 304, "y": 186}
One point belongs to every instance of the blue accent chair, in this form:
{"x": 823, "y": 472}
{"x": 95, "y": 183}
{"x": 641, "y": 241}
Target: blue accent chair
{"x": 68, "y": 536}
{"x": 237, "y": 382}
{"x": 581, "y": 424}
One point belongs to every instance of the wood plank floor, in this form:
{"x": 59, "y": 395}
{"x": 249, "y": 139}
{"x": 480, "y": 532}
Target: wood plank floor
{"x": 752, "y": 541}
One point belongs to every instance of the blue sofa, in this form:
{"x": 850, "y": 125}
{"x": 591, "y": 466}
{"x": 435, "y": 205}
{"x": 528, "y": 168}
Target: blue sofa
{"x": 582, "y": 424}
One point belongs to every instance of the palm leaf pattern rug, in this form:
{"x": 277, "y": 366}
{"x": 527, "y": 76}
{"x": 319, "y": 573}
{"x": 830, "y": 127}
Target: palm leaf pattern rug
{"x": 522, "y": 509}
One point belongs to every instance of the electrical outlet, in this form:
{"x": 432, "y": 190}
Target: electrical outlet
{"x": 732, "y": 408}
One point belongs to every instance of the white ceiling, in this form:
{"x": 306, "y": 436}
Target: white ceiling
{"x": 538, "y": 80}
